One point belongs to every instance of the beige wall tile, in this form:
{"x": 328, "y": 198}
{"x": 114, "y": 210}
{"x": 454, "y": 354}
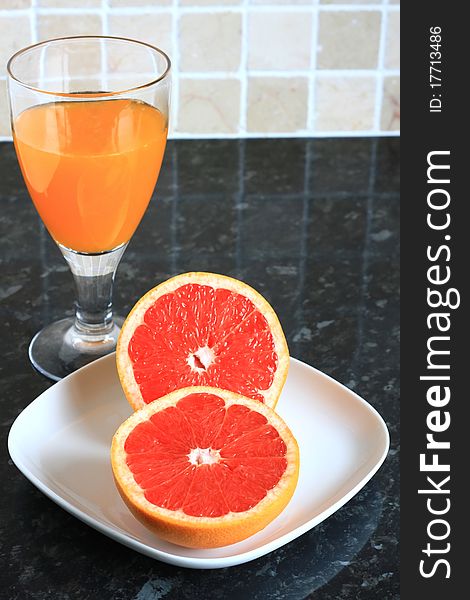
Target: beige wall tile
{"x": 348, "y": 40}
{"x": 55, "y": 26}
{"x": 15, "y": 33}
{"x": 279, "y": 41}
{"x": 209, "y": 106}
{"x": 210, "y": 42}
{"x": 277, "y": 104}
{"x": 390, "y": 117}
{"x": 344, "y": 103}
{"x": 69, "y": 3}
{"x": 154, "y": 28}
{"x": 52, "y": 26}
{"x": 4, "y": 110}
{"x": 5, "y": 4}
{"x": 126, "y": 3}
{"x": 392, "y": 51}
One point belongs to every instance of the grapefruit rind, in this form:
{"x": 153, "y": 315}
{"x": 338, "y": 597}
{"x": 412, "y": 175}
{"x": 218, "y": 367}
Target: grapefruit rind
{"x": 136, "y": 318}
{"x": 204, "y": 532}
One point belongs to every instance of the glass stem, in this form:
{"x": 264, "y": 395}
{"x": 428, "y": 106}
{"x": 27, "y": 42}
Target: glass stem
{"x": 94, "y": 277}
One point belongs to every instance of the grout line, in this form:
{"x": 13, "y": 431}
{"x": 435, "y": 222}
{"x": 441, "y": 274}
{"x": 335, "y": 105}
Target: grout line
{"x": 174, "y": 213}
{"x": 281, "y": 74}
{"x": 361, "y": 309}
{"x": 175, "y": 71}
{"x": 312, "y": 77}
{"x": 372, "y": 168}
{"x": 105, "y": 16}
{"x": 104, "y": 53}
{"x": 380, "y": 69}
{"x": 277, "y": 74}
{"x": 356, "y": 72}
{"x": 242, "y": 121}
{"x": 303, "y": 254}
{"x": 293, "y": 73}
{"x": 281, "y": 197}
{"x": 34, "y": 21}
{"x": 239, "y": 199}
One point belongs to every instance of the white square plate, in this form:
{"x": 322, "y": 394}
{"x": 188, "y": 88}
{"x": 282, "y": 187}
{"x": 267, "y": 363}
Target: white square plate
{"x": 61, "y": 443}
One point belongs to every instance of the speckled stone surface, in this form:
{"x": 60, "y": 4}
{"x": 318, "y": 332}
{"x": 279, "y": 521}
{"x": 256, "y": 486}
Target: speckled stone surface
{"x": 313, "y": 225}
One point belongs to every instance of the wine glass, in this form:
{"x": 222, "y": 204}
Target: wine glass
{"x": 90, "y": 121}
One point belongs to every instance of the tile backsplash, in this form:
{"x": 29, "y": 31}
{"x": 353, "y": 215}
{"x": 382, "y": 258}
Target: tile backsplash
{"x": 244, "y": 68}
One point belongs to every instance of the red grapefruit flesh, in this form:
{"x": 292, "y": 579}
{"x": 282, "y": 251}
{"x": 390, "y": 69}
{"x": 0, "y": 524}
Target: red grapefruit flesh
{"x": 204, "y": 467}
{"x": 202, "y": 329}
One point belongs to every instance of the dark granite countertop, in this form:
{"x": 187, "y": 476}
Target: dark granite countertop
{"x": 313, "y": 225}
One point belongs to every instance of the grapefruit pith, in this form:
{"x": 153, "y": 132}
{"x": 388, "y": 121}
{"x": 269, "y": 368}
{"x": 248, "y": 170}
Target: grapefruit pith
{"x": 202, "y": 329}
{"x": 204, "y": 467}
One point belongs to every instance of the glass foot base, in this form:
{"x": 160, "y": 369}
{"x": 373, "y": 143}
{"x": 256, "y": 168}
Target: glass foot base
{"x": 57, "y": 350}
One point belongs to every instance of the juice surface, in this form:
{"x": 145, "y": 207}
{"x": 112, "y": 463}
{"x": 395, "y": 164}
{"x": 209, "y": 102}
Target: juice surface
{"x": 91, "y": 167}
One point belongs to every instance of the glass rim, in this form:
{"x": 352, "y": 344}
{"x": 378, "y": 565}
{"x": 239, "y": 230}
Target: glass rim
{"x": 148, "y": 84}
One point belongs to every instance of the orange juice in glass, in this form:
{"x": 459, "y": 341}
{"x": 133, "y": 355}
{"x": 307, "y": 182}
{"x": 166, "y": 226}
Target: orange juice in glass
{"x": 90, "y": 137}
{"x": 90, "y": 167}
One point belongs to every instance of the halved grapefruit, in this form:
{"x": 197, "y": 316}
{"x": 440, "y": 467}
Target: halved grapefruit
{"x": 202, "y": 329}
{"x": 204, "y": 467}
